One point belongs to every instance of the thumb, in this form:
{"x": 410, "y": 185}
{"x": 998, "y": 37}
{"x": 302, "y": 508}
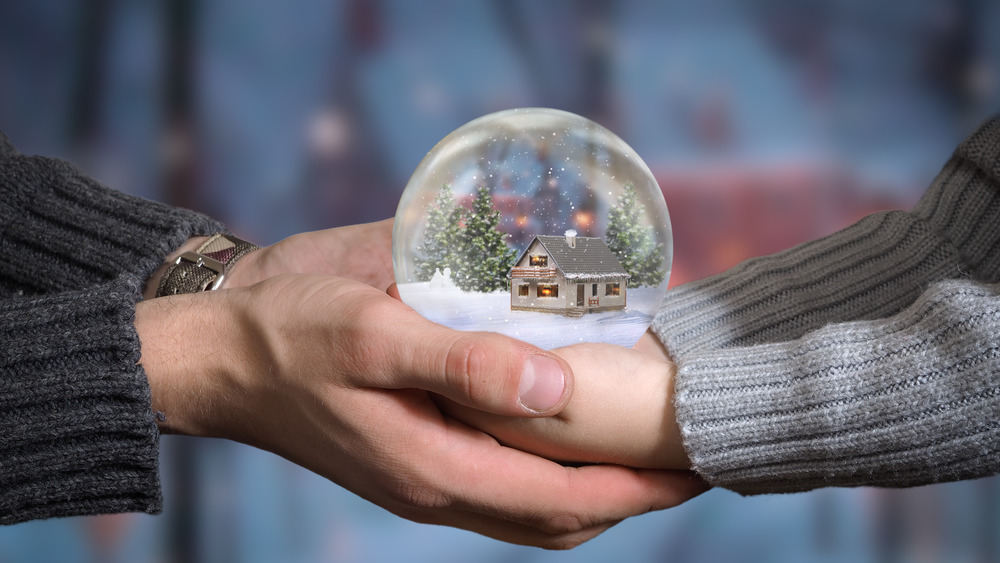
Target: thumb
{"x": 484, "y": 370}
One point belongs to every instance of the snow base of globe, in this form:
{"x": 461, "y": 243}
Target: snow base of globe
{"x": 440, "y": 301}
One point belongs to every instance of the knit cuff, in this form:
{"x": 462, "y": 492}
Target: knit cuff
{"x": 963, "y": 203}
{"x": 905, "y": 401}
{"x": 833, "y": 364}
{"x": 6, "y": 147}
{"x": 872, "y": 269}
{"x": 60, "y": 230}
{"x": 77, "y": 434}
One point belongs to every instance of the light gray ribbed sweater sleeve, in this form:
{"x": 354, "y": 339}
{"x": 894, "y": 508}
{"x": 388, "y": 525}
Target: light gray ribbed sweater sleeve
{"x": 869, "y": 357}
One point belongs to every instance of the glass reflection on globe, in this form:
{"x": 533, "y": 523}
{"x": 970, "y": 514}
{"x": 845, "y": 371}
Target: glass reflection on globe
{"x": 535, "y": 223}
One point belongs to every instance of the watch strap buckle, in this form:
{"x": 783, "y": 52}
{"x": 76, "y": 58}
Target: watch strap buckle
{"x": 209, "y": 263}
{"x": 204, "y": 269}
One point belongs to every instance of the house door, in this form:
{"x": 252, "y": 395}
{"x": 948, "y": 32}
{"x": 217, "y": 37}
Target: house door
{"x": 579, "y": 295}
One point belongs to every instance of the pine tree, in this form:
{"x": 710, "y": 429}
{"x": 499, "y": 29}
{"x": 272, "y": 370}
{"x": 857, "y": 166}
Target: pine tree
{"x": 635, "y": 246}
{"x": 440, "y": 235}
{"x": 482, "y": 258}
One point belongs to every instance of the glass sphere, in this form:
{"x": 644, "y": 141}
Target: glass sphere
{"x": 538, "y": 224}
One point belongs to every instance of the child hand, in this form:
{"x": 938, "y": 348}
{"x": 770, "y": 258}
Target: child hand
{"x": 621, "y": 411}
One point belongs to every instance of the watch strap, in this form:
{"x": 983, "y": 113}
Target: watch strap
{"x": 204, "y": 269}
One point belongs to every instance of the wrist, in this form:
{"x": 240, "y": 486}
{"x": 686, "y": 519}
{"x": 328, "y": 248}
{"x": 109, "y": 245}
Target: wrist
{"x": 190, "y": 352}
{"x": 207, "y": 267}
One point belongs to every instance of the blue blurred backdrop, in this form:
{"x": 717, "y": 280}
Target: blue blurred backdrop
{"x": 767, "y": 123}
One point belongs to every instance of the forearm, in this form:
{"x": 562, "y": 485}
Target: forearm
{"x": 81, "y": 438}
{"x": 870, "y": 270}
{"x": 906, "y": 401}
{"x": 195, "y": 350}
{"x": 776, "y": 390}
{"x": 63, "y": 231}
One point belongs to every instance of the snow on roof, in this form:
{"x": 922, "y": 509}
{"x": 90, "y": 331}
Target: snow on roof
{"x": 591, "y": 257}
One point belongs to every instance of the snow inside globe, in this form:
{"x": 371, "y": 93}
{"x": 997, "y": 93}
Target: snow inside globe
{"x": 538, "y": 224}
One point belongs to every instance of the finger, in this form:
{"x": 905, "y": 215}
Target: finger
{"x": 510, "y": 532}
{"x": 565, "y": 500}
{"x": 393, "y": 291}
{"x": 520, "y": 498}
{"x": 532, "y": 491}
{"x": 482, "y": 370}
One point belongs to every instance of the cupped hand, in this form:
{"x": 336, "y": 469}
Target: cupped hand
{"x": 337, "y": 377}
{"x": 358, "y": 252}
{"x": 621, "y": 411}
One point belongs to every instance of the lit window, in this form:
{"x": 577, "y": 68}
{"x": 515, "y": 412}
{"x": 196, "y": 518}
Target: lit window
{"x": 522, "y": 290}
{"x": 613, "y": 289}
{"x": 540, "y": 261}
{"x": 548, "y": 290}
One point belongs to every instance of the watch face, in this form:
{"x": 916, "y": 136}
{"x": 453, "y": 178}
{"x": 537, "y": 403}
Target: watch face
{"x": 538, "y": 224}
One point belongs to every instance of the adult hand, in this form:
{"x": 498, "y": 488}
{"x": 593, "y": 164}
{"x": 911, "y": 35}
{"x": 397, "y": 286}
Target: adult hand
{"x": 621, "y": 411}
{"x": 337, "y": 376}
{"x": 358, "y": 252}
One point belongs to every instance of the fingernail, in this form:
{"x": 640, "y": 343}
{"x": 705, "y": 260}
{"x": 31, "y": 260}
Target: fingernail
{"x": 542, "y": 384}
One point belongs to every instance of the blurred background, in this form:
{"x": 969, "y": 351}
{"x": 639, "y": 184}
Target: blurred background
{"x": 767, "y": 123}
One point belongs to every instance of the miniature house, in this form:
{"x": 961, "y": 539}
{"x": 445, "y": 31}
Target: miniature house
{"x": 569, "y": 274}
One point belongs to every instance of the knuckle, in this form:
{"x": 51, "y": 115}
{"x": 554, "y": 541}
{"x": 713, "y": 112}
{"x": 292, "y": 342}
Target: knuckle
{"x": 416, "y": 500}
{"x": 562, "y": 524}
{"x": 467, "y": 362}
{"x": 568, "y": 531}
{"x": 364, "y": 331}
{"x": 562, "y": 543}
{"x": 375, "y": 314}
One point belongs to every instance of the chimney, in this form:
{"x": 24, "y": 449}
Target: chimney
{"x": 571, "y": 238}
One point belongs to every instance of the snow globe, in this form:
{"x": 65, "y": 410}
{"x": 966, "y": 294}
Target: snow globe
{"x": 538, "y": 224}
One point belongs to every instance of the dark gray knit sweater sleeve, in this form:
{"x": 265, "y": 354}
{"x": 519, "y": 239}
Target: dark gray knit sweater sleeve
{"x": 77, "y": 434}
{"x": 868, "y": 357}
{"x": 61, "y": 230}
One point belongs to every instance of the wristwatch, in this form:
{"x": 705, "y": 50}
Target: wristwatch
{"x": 204, "y": 269}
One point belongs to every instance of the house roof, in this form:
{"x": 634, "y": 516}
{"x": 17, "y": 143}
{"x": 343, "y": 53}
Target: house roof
{"x": 591, "y": 257}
